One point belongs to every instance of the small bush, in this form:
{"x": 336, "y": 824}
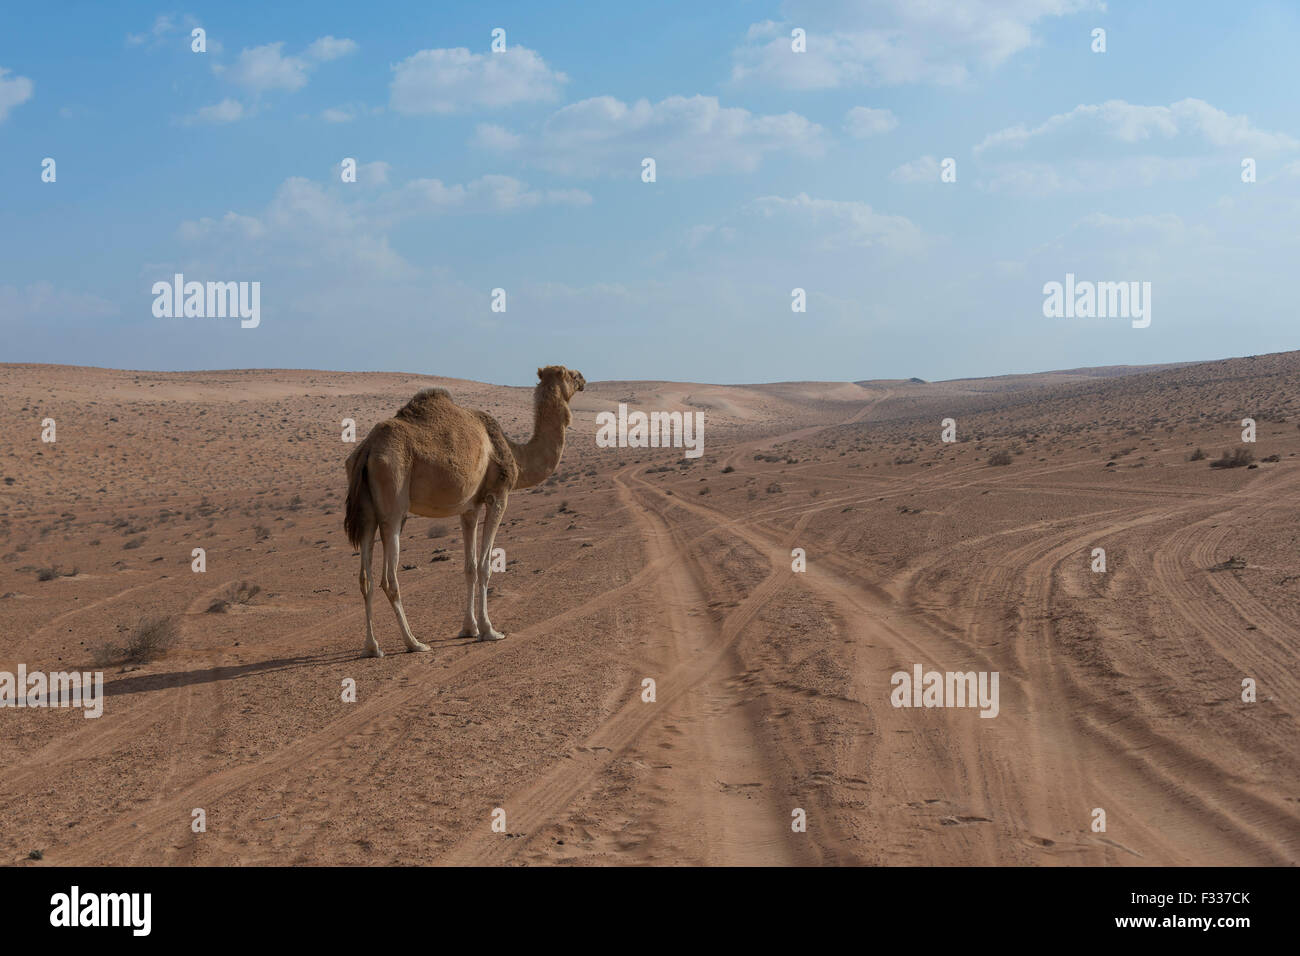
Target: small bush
{"x": 241, "y": 593}
{"x": 150, "y": 639}
{"x": 1000, "y": 458}
{"x": 1239, "y": 458}
{"x": 1197, "y": 455}
{"x": 1234, "y": 563}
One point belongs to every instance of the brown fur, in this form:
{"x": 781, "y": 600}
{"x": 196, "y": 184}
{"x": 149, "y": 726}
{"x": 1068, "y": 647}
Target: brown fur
{"x": 437, "y": 459}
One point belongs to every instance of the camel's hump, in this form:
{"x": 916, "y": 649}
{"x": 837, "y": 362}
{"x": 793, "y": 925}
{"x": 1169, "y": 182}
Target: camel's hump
{"x": 424, "y": 398}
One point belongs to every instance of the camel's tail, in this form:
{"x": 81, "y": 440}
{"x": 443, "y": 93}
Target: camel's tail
{"x": 354, "y": 522}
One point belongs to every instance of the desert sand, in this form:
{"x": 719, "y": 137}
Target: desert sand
{"x": 1120, "y": 691}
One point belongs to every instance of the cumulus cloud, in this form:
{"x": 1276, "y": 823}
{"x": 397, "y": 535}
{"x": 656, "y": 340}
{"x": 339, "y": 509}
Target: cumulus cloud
{"x": 686, "y": 136}
{"x": 926, "y": 169}
{"x": 1116, "y": 144}
{"x": 1164, "y": 227}
{"x": 890, "y": 42}
{"x": 325, "y": 49}
{"x": 863, "y": 121}
{"x": 227, "y": 111}
{"x": 842, "y": 223}
{"x": 163, "y": 26}
{"x": 491, "y": 136}
{"x": 456, "y": 80}
{"x": 305, "y": 212}
{"x": 1116, "y": 120}
{"x": 327, "y": 248}
{"x": 14, "y": 91}
{"x": 42, "y": 302}
{"x": 1089, "y": 175}
{"x": 266, "y": 68}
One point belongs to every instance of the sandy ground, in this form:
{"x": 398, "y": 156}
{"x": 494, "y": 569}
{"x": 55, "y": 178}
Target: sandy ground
{"x": 1118, "y": 690}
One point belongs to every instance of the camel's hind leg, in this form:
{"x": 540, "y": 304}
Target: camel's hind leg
{"x": 496, "y": 508}
{"x": 468, "y": 528}
{"x": 368, "y": 586}
{"x": 390, "y": 536}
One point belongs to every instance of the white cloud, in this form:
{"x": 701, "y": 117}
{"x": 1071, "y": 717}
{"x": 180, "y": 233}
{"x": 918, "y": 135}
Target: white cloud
{"x": 456, "y": 80}
{"x": 1115, "y": 144}
{"x": 42, "y": 302}
{"x": 337, "y": 115}
{"x": 304, "y": 212}
{"x": 227, "y": 111}
{"x": 698, "y": 234}
{"x": 1132, "y": 123}
{"x": 490, "y": 193}
{"x": 863, "y": 121}
{"x": 843, "y": 223}
{"x": 265, "y": 68}
{"x": 686, "y": 136}
{"x": 890, "y": 42}
{"x": 163, "y": 25}
{"x": 14, "y": 91}
{"x": 325, "y": 49}
{"x": 373, "y": 173}
{"x": 923, "y": 170}
{"x": 491, "y": 136}
{"x": 1090, "y": 175}
{"x": 1168, "y": 228}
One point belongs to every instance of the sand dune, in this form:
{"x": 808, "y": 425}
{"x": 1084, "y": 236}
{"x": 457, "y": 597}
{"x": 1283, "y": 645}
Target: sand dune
{"x": 1119, "y": 691}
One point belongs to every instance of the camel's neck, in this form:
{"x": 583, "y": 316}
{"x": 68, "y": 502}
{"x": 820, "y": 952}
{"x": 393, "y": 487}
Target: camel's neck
{"x": 538, "y": 458}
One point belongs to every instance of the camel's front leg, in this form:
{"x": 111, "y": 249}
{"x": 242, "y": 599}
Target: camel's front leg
{"x": 496, "y": 508}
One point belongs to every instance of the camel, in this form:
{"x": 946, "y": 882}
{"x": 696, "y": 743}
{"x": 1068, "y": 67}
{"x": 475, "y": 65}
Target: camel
{"x": 437, "y": 459}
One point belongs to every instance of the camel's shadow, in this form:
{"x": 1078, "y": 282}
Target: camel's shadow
{"x": 209, "y": 675}
{"x": 144, "y": 683}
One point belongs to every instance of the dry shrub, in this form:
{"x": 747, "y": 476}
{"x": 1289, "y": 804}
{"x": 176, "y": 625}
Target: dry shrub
{"x": 241, "y": 593}
{"x": 1239, "y": 458}
{"x": 1000, "y": 458}
{"x": 150, "y": 639}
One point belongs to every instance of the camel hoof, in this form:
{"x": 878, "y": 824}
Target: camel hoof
{"x": 466, "y": 632}
{"x": 417, "y": 647}
{"x": 372, "y": 652}
{"x": 492, "y": 635}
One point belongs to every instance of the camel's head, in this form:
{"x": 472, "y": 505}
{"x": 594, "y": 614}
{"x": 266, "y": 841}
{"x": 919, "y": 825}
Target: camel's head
{"x": 567, "y": 380}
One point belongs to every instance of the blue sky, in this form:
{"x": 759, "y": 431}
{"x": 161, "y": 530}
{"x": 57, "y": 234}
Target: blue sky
{"x": 521, "y": 170}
